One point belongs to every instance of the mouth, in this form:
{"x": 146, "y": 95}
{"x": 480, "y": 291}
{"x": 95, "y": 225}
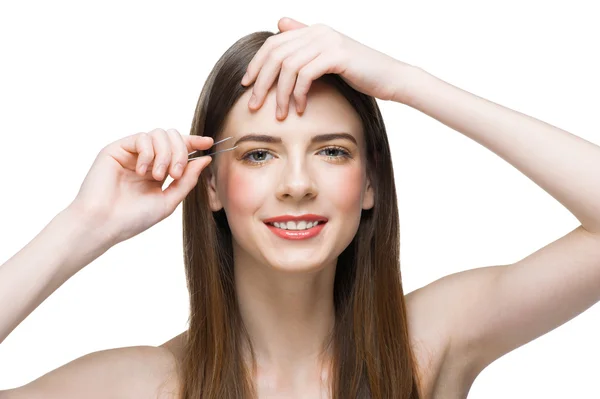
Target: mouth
{"x": 296, "y": 227}
{"x": 300, "y": 222}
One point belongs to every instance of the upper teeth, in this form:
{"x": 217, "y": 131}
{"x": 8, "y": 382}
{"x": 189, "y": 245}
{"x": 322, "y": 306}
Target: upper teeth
{"x": 302, "y": 225}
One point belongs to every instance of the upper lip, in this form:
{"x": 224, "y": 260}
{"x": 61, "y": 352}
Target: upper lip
{"x": 291, "y": 218}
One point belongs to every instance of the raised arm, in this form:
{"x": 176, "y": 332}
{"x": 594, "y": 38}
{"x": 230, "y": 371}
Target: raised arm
{"x": 127, "y": 173}
{"x": 121, "y": 196}
{"x": 494, "y": 310}
{"x": 491, "y": 310}
{"x": 65, "y": 246}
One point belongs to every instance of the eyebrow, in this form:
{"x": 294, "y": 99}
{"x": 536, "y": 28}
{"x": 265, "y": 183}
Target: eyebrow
{"x": 319, "y": 138}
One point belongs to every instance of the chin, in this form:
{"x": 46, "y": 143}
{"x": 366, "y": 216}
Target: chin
{"x": 296, "y": 266}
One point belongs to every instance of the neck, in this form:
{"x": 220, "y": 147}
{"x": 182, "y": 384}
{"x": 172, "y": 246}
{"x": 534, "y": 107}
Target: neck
{"x": 289, "y": 315}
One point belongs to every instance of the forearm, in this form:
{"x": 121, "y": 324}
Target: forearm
{"x": 564, "y": 165}
{"x": 62, "y": 248}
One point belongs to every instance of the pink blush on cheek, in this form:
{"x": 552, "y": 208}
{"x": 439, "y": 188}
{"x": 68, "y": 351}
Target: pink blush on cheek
{"x": 245, "y": 192}
{"x": 345, "y": 195}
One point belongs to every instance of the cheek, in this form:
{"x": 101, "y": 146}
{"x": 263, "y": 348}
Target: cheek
{"x": 346, "y": 193}
{"x": 245, "y": 191}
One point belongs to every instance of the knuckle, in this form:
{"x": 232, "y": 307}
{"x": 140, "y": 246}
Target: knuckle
{"x": 275, "y": 56}
{"x": 337, "y": 39}
{"x": 180, "y": 157}
{"x": 271, "y": 40}
{"x": 297, "y": 93}
{"x": 157, "y": 131}
{"x": 159, "y": 139}
{"x": 297, "y": 97}
{"x": 106, "y": 149}
{"x": 143, "y": 139}
{"x": 283, "y": 102}
{"x": 322, "y": 27}
{"x": 301, "y": 89}
{"x": 176, "y": 138}
{"x": 145, "y": 154}
{"x": 147, "y": 147}
{"x": 303, "y": 76}
{"x": 288, "y": 64}
{"x": 164, "y": 157}
{"x": 162, "y": 162}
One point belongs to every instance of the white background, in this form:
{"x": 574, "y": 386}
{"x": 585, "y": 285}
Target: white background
{"x": 78, "y": 75}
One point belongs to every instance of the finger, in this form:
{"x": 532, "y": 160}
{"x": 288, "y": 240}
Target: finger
{"x": 194, "y": 142}
{"x": 179, "y": 189}
{"x": 140, "y": 145}
{"x": 263, "y": 52}
{"x": 288, "y": 76}
{"x": 132, "y": 152}
{"x": 162, "y": 153}
{"x": 179, "y": 153}
{"x": 125, "y": 151}
{"x": 143, "y": 146}
{"x": 286, "y": 24}
{"x": 271, "y": 69}
{"x": 309, "y": 73}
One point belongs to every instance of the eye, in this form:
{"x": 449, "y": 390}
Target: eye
{"x": 256, "y": 156}
{"x": 259, "y": 157}
{"x": 335, "y": 153}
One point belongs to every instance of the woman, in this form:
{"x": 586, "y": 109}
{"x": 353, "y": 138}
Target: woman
{"x": 327, "y": 310}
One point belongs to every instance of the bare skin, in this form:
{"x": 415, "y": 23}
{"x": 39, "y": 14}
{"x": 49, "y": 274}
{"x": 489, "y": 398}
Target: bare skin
{"x": 444, "y": 370}
{"x": 458, "y": 325}
{"x": 146, "y": 371}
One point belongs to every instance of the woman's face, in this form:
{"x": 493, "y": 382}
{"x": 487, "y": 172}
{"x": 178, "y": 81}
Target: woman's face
{"x": 288, "y": 172}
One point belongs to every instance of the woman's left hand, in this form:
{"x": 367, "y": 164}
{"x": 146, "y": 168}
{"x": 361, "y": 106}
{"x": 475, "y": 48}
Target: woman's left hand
{"x": 301, "y": 54}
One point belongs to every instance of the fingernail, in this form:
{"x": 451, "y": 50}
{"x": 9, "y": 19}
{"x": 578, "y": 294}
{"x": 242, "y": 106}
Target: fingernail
{"x": 253, "y": 100}
{"x": 279, "y": 112}
{"x": 245, "y": 78}
{"x": 177, "y": 168}
{"x": 161, "y": 169}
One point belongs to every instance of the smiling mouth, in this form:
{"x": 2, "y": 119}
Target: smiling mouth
{"x": 295, "y": 226}
{"x": 299, "y": 230}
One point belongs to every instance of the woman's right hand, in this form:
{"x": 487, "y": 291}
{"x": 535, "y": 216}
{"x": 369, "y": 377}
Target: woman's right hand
{"x": 120, "y": 199}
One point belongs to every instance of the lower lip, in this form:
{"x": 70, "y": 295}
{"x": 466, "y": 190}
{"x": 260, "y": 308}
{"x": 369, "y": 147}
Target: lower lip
{"x": 296, "y": 234}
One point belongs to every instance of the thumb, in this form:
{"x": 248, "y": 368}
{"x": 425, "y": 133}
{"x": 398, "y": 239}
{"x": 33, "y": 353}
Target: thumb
{"x": 180, "y": 188}
{"x": 286, "y": 24}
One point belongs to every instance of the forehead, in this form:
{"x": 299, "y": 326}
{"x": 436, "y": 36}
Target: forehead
{"x": 327, "y": 111}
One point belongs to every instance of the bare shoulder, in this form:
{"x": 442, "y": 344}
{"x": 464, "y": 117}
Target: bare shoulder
{"x": 176, "y": 345}
{"x": 444, "y": 368}
{"x": 129, "y": 372}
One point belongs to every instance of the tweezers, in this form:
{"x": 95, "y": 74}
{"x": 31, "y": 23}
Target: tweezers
{"x": 212, "y": 153}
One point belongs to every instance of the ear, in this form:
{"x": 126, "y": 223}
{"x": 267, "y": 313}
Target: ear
{"x": 369, "y": 197}
{"x": 211, "y": 186}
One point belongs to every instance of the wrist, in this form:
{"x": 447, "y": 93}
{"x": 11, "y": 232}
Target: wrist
{"x": 83, "y": 230}
{"x": 409, "y": 77}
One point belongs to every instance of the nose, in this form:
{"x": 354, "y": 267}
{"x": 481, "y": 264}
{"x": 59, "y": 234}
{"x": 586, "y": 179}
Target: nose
{"x": 297, "y": 180}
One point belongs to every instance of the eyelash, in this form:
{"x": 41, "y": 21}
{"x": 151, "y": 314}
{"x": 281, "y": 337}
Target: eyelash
{"x": 344, "y": 155}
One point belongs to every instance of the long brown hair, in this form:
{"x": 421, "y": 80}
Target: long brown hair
{"x": 371, "y": 352}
